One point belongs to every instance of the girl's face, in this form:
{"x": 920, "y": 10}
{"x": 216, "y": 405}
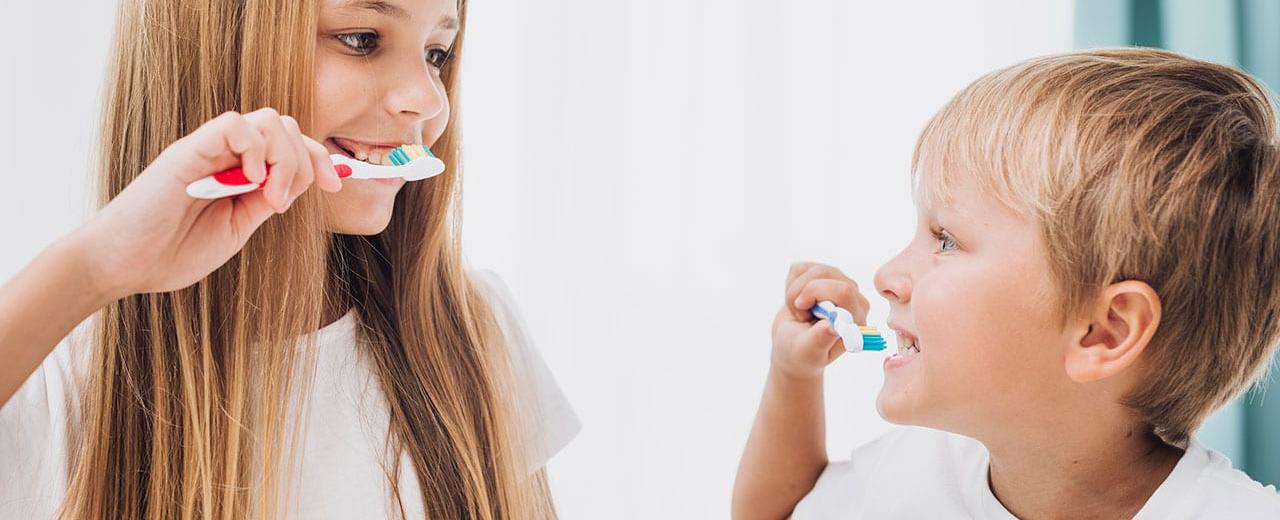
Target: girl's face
{"x": 975, "y": 292}
{"x": 378, "y": 86}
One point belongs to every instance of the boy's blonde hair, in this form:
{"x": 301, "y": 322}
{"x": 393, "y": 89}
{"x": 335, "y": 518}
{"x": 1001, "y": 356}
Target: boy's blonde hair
{"x": 1138, "y": 164}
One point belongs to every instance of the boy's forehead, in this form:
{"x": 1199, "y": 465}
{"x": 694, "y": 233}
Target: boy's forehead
{"x": 964, "y": 204}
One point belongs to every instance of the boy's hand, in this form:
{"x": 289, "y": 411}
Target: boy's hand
{"x": 803, "y": 345}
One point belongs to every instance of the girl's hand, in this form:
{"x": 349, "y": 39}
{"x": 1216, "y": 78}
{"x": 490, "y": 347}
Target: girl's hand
{"x": 153, "y": 237}
{"x": 803, "y": 345}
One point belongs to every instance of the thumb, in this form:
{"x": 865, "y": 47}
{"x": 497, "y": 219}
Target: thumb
{"x": 248, "y": 212}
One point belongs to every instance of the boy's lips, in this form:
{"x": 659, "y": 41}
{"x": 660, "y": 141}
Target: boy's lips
{"x": 907, "y": 342}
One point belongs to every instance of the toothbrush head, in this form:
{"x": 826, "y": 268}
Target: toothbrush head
{"x": 408, "y": 152}
{"x": 871, "y": 338}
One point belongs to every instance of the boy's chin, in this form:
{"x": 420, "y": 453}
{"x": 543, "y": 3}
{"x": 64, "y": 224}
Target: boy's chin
{"x": 899, "y": 406}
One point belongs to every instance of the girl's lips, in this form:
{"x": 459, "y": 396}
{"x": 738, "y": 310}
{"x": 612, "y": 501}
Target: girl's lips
{"x": 334, "y": 149}
{"x": 351, "y": 147}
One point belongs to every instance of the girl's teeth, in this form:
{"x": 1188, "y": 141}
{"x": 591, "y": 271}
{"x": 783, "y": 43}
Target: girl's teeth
{"x": 362, "y": 155}
{"x": 376, "y": 158}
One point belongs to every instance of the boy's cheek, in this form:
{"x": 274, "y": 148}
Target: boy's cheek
{"x": 963, "y": 358}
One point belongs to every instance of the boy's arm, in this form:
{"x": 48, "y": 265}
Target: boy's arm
{"x": 787, "y": 449}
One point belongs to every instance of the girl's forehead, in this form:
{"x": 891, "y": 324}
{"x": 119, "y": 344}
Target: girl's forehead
{"x": 394, "y": 8}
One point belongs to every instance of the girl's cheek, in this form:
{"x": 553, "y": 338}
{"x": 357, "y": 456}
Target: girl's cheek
{"x": 434, "y": 128}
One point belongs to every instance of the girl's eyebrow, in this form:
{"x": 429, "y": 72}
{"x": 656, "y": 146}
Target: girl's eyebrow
{"x": 378, "y": 6}
{"x": 391, "y": 10}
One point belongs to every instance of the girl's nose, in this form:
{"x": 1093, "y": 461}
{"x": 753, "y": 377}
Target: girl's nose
{"x": 416, "y": 93}
{"x": 893, "y": 280}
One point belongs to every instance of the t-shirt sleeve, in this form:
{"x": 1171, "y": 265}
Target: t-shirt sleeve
{"x": 549, "y": 418}
{"x": 34, "y": 428}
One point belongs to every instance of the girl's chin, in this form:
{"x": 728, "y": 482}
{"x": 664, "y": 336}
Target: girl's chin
{"x": 364, "y": 224}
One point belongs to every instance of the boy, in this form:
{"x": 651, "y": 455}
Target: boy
{"x": 1096, "y": 270}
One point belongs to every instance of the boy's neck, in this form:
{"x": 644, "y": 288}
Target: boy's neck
{"x": 1066, "y": 473}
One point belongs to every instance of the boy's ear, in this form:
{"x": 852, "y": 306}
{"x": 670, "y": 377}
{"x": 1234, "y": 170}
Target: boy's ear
{"x": 1125, "y": 319}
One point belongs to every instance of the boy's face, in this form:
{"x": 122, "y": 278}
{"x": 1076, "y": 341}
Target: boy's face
{"x": 974, "y": 290}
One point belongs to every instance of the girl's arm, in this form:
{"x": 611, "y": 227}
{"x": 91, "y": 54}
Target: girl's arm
{"x": 40, "y": 306}
{"x": 153, "y": 237}
{"x": 787, "y": 449}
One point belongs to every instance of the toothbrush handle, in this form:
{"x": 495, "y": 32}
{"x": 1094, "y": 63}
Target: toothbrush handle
{"x": 824, "y": 310}
{"x": 233, "y": 182}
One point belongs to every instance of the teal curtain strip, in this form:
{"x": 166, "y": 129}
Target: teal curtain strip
{"x": 1243, "y": 34}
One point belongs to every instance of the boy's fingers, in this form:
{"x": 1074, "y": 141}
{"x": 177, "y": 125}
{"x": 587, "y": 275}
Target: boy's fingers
{"x": 860, "y": 309}
{"x": 843, "y": 293}
{"x": 797, "y": 269}
{"x": 793, "y": 292}
{"x": 809, "y": 273}
{"x": 836, "y": 350}
{"x": 818, "y": 340}
{"x": 815, "y": 272}
{"x": 797, "y": 282}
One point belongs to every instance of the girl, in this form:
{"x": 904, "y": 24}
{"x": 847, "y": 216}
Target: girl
{"x": 344, "y": 362}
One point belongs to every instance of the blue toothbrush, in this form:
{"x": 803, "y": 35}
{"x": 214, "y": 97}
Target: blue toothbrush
{"x": 856, "y": 337}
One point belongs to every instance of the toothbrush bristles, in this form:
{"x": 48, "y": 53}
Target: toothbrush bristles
{"x": 409, "y": 152}
{"x": 871, "y": 338}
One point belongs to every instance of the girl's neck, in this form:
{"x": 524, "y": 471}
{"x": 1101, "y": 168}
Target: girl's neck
{"x": 1089, "y": 472}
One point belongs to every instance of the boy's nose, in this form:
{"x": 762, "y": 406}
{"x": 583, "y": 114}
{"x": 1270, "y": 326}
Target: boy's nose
{"x": 892, "y": 280}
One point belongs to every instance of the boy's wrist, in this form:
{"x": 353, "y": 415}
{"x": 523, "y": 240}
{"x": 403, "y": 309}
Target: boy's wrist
{"x": 795, "y": 377}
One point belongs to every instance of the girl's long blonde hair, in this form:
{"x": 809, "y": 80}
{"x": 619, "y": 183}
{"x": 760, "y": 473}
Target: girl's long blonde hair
{"x": 192, "y": 395}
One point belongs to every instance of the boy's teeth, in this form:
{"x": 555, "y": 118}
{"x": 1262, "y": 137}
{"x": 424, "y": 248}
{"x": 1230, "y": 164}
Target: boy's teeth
{"x": 376, "y": 158}
{"x": 362, "y": 155}
{"x": 908, "y": 346}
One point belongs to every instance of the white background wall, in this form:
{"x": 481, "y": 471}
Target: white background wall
{"x": 641, "y": 172}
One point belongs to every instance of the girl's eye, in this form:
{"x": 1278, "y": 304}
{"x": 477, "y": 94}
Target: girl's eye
{"x": 438, "y": 57}
{"x": 945, "y": 242}
{"x": 363, "y": 43}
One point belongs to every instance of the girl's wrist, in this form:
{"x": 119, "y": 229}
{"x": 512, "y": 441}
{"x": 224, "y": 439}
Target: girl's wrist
{"x": 73, "y": 255}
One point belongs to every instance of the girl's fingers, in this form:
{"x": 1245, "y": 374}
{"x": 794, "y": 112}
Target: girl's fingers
{"x": 326, "y": 177}
{"x": 248, "y": 212}
{"x": 223, "y": 142}
{"x": 280, "y": 155}
{"x": 306, "y": 170}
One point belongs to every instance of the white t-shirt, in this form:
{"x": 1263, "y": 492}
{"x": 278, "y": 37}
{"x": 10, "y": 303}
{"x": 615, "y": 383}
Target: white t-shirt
{"x": 343, "y": 457}
{"x": 922, "y": 473}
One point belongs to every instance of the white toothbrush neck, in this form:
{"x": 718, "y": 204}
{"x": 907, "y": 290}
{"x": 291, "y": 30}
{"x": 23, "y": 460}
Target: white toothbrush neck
{"x": 419, "y": 168}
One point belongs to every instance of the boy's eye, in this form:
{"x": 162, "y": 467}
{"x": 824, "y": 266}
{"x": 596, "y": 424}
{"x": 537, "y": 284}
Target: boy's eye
{"x": 945, "y": 242}
{"x": 438, "y": 57}
{"x": 363, "y": 43}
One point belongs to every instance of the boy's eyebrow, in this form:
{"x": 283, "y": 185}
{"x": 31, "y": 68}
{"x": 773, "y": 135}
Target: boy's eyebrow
{"x": 391, "y": 10}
